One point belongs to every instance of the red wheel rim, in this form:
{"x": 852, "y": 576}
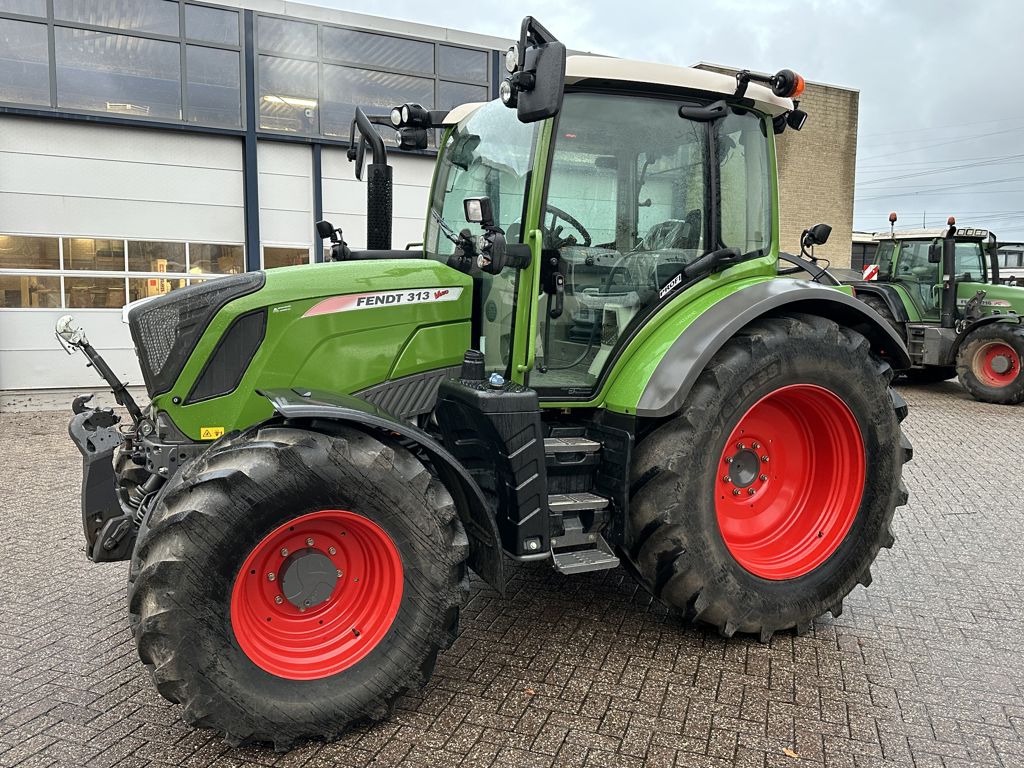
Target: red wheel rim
{"x": 791, "y": 479}
{"x": 996, "y": 364}
{"x": 339, "y": 618}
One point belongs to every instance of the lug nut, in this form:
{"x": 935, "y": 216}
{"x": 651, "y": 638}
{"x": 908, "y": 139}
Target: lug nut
{"x": 270, "y": 576}
{"x": 284, "y": 552}
{"x": 735, "y": 491}
{"x": 751, "y": 491}
{"x": 764, "y": 478}
{"x": 756, "y": 446}
{"x": 332, "y": 550}
{"x": 741, "y": 446}
{"x": 309, "y": 542}
{"x": 728, "y": 459}
{"x": 727, "y": 479}
{"x": 278, "y": 600}
{"x": 340, "y": 574}
{"x": 764, "y": 459}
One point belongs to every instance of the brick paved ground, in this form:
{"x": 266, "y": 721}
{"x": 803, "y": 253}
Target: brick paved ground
{"x": 925, "y": 668}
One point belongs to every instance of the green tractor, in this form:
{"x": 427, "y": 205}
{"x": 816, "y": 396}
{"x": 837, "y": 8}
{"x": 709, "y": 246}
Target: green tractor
{"x": 942, "y": 291}
{"x": 591, "y": 360}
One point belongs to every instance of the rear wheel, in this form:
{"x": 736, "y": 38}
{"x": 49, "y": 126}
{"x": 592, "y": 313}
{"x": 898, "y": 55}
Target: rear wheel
{"x": 753, "y": 510}
{"x": 989, "y": 364}
{"x": 289, "y": 583}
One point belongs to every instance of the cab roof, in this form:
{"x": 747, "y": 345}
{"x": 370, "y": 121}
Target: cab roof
{"x": 583, "y": 69}
{"x": 929, "y": 233}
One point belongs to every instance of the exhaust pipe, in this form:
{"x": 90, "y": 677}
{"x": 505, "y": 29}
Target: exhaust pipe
{"x": 379, "y": 199}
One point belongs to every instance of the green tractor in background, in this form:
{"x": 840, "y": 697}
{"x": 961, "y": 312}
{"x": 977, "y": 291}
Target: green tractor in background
{"x": 942, "y": 291}
{"x": 591, "y": 360}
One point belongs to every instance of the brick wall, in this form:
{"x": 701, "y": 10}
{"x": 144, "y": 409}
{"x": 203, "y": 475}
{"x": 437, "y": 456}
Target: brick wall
{"x": 817, "y": 169}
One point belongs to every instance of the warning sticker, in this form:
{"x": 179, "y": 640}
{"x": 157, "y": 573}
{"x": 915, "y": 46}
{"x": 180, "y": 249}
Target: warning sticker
{"x": 871, "y": 272}
{"x": 354, "y": 301}
{"x": 210, "y": 433}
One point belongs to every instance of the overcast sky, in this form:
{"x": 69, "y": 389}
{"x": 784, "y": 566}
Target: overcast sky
{"x": 940, "y": 82}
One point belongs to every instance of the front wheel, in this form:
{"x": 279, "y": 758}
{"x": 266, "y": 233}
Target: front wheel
{"x": 989, "y": 364}
{"x": 765, "y": 501}
{"x": 290, "y": 582}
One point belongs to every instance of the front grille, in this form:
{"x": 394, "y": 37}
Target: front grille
{"x": 166, "y": 329}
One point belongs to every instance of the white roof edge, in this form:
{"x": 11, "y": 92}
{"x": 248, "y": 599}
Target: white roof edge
{"x": 823, "y": 84}
{"x": 581, "y": 68}
{"x": 461, "y": 112}
{"x": 914, "y": 234}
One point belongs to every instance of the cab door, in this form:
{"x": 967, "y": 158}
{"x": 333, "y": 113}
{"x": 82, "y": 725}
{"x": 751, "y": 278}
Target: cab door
{"x": 919, "y": 277}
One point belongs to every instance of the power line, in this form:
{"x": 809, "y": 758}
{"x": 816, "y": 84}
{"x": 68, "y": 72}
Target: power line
{"x": 944, "y": 127}
{"x": 945, "y": 143}
{"x": 949, "y": 169}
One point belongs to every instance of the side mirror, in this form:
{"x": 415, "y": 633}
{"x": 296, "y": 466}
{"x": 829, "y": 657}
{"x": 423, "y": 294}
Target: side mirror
{"x": 816, "y": 235}
{"x": 536, "y": 67}
{"x": 935, "y": 252}
{"x": 479, "y": 211}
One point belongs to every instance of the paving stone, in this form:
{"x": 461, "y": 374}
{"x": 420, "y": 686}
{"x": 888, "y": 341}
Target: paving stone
{"x": 924, "y": 669}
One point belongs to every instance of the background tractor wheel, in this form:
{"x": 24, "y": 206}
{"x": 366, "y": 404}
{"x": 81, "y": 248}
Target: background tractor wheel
{"x": 289, "y": 582}
{"x": 989, "y": 364}
{"x": 754, "y": 509}
{"x": 883, "y": 310}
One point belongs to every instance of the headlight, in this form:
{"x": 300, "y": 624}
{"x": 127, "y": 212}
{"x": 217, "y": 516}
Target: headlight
{"x": 512, "y": 58}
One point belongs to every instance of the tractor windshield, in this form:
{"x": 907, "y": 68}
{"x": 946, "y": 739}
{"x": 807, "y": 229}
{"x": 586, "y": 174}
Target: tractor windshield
{"x": 488, "y": 154}
{"x": 636, "y": 193}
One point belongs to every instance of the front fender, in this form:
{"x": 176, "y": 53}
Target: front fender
{"x": 485, "y": 555}
{"x": 987, "y": 320}
{"x": 675, "y": 374}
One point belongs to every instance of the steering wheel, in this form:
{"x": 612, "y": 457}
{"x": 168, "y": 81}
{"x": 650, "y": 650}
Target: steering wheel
{"x": 554, "y": 233}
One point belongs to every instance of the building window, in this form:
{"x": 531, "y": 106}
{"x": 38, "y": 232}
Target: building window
{"x": 346, "y": 88}
{"x": 288, "y": 94}
{"x": 450, "y": 95}
{"x": 216, "y": 259}
{"x": 462, "y": 63}
{"x": 99, "y": 273}
{"x": 94, "y": 292}
{"x": 29, "y": 252}
{"x": 24, "y": 63}
{"x": 82, "y": 253}
{"x": 295, "y": 38}
{"x": 103, "y": 72}
{"x": 154, "y": 16}
{"x": 213, "y": 87}
{"x": 383, "y": 51}
{"x": 211, "y": 25}
{"x": 284, "y": 257}
{"x": 25, "y": 7}
{"x": 29, "y": 292}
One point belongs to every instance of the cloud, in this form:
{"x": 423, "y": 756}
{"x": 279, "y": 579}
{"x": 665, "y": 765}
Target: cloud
{"x": 938, "y": 82}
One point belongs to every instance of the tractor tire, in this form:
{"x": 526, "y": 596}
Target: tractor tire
{"x": 989, "y": 364}
{"x": 886, "y": 314}
{"x": 289, "y": 583}
{"x": 767, "y": 498}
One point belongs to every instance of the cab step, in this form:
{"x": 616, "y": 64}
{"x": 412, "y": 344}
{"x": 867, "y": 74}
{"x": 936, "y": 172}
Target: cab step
{"x": 553, "y": 445}
{"x": 599, "y": 557}
{"x": 577, "y": 549}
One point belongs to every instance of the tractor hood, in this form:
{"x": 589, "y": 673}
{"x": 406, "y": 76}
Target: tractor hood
{"x": 344, "y": 327}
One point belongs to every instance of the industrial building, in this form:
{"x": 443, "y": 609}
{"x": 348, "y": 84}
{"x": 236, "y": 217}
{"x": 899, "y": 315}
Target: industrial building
{"x": 150, "y": 144}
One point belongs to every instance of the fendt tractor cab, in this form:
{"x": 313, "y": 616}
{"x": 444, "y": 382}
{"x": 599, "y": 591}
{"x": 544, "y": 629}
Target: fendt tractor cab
{"x": 944, "y": 292}
{"x": 591, "y": 360}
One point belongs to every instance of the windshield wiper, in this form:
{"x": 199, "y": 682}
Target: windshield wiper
{"x": 445, "y": 227}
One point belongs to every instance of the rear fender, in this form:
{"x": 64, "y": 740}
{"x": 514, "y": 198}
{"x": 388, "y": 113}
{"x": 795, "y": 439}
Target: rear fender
{"x": 886, "y": 293}
{"x": 485, "y": 556}
{"x": 676, "y": 373}
{"x": 962, "y": 337}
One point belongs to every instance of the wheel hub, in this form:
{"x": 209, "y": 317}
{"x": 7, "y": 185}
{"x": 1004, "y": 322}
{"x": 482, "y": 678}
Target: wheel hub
{"x": 1001, "y": 364}
{"x": 308, "y": 578}
{"x": 745, "y": 467}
